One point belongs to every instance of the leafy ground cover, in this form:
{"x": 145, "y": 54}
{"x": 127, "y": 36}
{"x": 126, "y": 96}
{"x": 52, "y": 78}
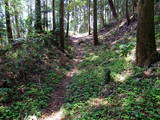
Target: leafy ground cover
{"x": 29, "y": 73}
{"x": 131, "y": 94}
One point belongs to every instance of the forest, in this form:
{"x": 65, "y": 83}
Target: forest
{"x": 79, "y": 59}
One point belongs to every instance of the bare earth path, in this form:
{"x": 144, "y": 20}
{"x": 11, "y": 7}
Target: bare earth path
{"x": 54, "y": 110}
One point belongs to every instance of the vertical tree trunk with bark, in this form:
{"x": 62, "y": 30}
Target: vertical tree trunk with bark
{"x": 146, "y": 53}
{"x": 89, "y": 17}
{"x": 68, "y": 16}
{"x": 46, "y": 14}
{"x": 16, "y": 21}
{"x": 114, "y": 13}
{"x": 30, "y": 15}
{"x": 53, "y": 14}
{"x": 61, "y": 10}
{"x": 8, "y": 22}
{"x": 101, "y": 13}
{"x": 38, "y": 21}
{"x": 95, "y": 34}
{"x": 127, "y": 13}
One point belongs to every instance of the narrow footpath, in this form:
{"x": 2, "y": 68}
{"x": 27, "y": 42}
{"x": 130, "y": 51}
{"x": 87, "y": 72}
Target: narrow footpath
{"x": 54, "y": 110}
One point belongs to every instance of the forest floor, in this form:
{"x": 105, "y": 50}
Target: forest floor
{"x": 86, "y": 94}
{"x": 70, "y": 100}
{"x": 76, "y": 83}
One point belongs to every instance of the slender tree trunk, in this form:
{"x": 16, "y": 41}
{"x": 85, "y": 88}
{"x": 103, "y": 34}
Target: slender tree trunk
{"x": 46, "y": 14}
{"x": 146, "y": 53}
{"x": 127, "y": 13}
{"x": 95, "y": 34}
{"x": 61, "y": 24}
{"x": 67, "y": 33}
{"x": 102, "y": 14}
{"x": 53, "y": 14}
{"x": 89, "y": 17}
{"x": 105, "y": 12}
{"x": 8, "y": 22}
{"x": 30, "y": 14}
{"x": 75, "y": 18}
{"x": 38, "y": 22}
{"x": 17, "y": 22}
{"x": 114, "y": 13}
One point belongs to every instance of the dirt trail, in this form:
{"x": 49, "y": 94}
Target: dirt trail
{"x": 54, "y": 110}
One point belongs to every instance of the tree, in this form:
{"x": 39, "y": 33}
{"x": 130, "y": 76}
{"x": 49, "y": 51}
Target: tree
{"x": 127, "y": 13}
{"x": 95, "y": 35}
{"x": 16, "y": 4}
{"x": 53, "y": 14}
{"x": 29, "y": 20}
{"x": 61, "y": 11}
{"x": 68, "y": 18}
{"x": 114, "y": 13}
{"x": 38, "y": 22}
{"x": 2, "y": 26}
{"x": 89, "y": 17}
{"x": 46, "y": 14}
{"x": 8, "y": 22}
{"x": 146, "y": 53}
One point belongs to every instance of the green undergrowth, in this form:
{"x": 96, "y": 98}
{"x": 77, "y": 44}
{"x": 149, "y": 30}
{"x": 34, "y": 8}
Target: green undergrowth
{"x": 29, "y": 72}
{"x": 127, "y": 96}
{"x": 28, "y": 99}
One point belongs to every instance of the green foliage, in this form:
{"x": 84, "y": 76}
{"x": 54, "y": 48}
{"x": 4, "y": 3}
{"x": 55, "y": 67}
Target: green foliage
{"x": 34, "y": 98}
{"x": 125, "y": 48}
{"x": 29, "y": 80}
{"x": 157, "y": 19}
{"x": 89, "y": 98}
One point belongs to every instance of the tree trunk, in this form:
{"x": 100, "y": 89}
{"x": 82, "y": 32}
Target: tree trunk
{"x": 89, "y": 17}
{"x": 53, "y": 14}
{"x": 38, "y": 22}
{"x": 30, "y": 15}
{"x": 114, "y": 13}
{"x": 46, "y": 14}
{"x": 101, "y": 13}
{"x": 67, "y": 32}
{"x": 127, "y": 13}
{"x": 62, "y": 24}
{"x": 8, "y": 22}
{"x": 146, "y": 53}
{"x": 95, "y": 35}
{"x": 16, "y": 21}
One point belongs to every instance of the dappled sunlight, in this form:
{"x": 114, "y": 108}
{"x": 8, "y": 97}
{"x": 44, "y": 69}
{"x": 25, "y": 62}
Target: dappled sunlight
{"x": 93, "y": 57}
{"x": 121, "y": 77}
{"x": 72, "y": 72}
{"x": 97, "y": 102}
{"x": 78, "y": 35}
{"x": 131, "y": 56}
{"x": 59, "y": 115}
{"x": 32, "y": 117}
